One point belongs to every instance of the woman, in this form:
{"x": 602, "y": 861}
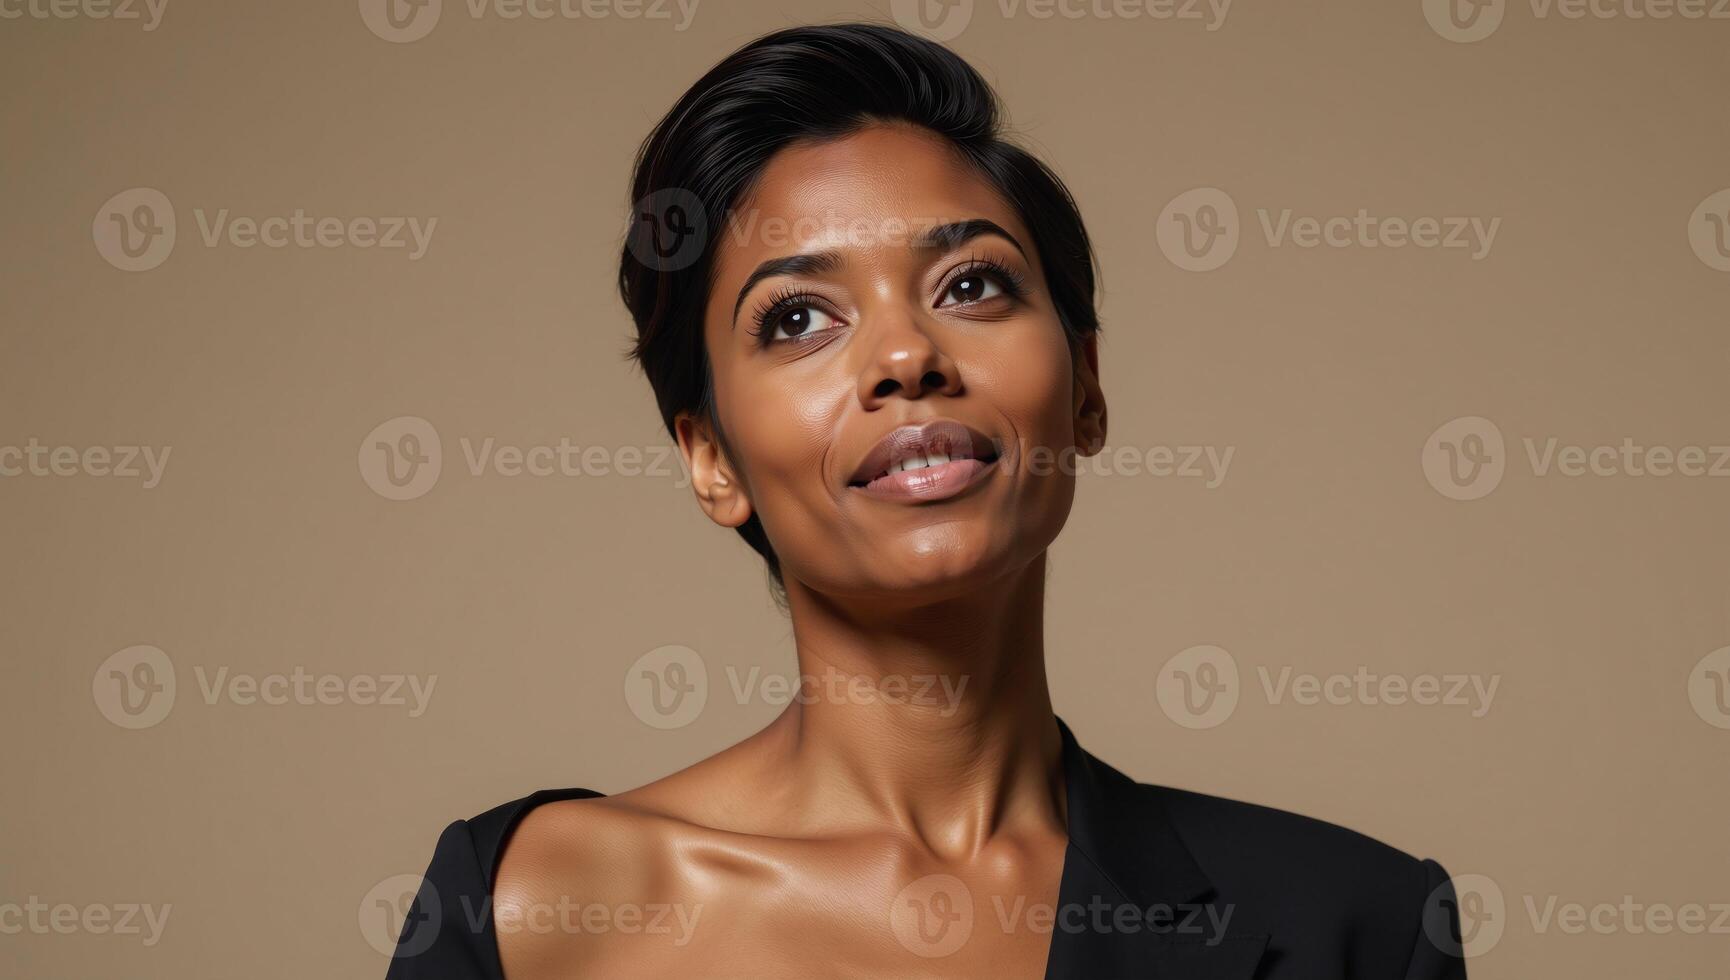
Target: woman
{"x": 869, "y": 324}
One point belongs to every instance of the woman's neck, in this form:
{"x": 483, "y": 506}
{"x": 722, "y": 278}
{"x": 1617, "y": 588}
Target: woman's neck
{"x": 934, "y": 720}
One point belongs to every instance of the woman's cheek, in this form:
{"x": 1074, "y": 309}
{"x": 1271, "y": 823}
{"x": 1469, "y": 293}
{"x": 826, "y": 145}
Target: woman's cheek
{"x": 785, "y": 431}
{"x": 1032, "y": 384}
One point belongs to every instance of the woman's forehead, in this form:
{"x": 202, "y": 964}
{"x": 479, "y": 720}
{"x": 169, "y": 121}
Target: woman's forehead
{"x": 878, "y": 187}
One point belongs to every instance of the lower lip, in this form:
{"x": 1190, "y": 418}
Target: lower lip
{"x": 928, "y": 483}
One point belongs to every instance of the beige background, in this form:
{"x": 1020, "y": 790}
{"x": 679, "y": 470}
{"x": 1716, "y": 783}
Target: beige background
{"x": 1325, "y": 370}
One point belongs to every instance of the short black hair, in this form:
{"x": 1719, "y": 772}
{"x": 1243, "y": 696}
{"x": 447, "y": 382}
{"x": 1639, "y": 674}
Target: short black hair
{"x": 803, "y": 84}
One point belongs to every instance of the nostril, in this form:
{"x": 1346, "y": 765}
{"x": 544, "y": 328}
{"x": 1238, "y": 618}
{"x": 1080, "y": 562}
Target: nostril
{"x": 886, "y": 387}
{"x": 933, "y": 380}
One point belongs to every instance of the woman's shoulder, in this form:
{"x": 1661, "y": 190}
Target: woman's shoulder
{"x": 562, "y": 836}
{"x": 571, "y": 866}
{"x": 1270, "y": 855}
{"x": 1328, "y": 895}
{"x": 1269, "y": 831}
{"x": 449, "y": 931}
{"x": 612, "y": 846}
{"x": 493, "y": 830}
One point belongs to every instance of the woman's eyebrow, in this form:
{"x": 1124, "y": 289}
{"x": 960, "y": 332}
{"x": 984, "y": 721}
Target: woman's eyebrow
{"x": 957, "y": 233}
{"x": 808, "y": 264}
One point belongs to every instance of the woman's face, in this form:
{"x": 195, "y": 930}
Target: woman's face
{"x": 896, "y": 393}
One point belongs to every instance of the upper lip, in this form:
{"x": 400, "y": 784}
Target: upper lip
{"x": 934, "y": 437}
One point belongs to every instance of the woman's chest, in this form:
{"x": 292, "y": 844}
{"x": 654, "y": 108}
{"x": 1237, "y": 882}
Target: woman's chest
{"x": 936, "y": 931}
{"x": 996, "y": 924}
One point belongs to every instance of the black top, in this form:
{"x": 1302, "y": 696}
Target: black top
{"x": 1220, "y": 890}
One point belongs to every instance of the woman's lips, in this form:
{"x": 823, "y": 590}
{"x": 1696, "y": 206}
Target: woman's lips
{"x": 932, "y": 460}
{"x": 938, "y": 482}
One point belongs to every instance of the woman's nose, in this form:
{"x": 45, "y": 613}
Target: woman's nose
{"x": 905, "y": 362}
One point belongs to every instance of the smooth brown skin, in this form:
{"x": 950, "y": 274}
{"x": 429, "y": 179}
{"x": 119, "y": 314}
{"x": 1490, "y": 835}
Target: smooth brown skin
{"x": 791, "y": 847}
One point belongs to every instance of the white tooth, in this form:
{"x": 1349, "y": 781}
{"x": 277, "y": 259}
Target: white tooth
{"x": 919, "y": 461}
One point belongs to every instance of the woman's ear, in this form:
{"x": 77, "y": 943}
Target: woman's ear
{"x": 1089, "y": 398}
{"x": 713, "y": 479}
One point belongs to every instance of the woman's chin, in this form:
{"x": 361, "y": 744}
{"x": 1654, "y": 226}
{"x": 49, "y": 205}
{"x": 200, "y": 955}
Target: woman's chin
{"x": 917, "y": 573}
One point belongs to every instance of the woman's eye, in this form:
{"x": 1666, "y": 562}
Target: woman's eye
{"x": 971, "y": 288}
{"x": 797, "y": 321}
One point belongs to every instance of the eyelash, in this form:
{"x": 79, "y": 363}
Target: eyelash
{"x": 790, "y": 298}
{"x": 776, "y": 303}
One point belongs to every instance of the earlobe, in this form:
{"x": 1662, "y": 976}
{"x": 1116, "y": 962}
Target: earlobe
{"x": 713, "y": 480}
{"x": 1089, "y": 398}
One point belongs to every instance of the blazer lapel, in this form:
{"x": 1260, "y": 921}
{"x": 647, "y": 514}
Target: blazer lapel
{"x": 1133, "y": 904}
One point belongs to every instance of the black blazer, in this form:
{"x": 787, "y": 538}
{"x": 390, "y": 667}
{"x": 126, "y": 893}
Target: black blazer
{"x": 1157, "y": 883}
